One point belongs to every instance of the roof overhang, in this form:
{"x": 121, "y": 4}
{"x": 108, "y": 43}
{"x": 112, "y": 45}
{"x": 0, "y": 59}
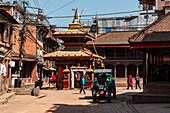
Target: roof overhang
{"x": 149, "y": 45}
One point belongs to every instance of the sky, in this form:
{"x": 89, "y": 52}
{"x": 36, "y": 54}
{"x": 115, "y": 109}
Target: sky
{"x": 88, "y": 7}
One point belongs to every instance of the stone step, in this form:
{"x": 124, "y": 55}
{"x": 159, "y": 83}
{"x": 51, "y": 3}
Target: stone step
{"x": 4, "y": 98}
{"x": 151, "y": 98}
{"x": 158, "y": 88}
{"x": 22, "y": 91}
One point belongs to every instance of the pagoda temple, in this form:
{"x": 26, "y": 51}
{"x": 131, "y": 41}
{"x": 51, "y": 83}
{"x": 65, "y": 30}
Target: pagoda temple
{"x": 154, "y": 42}
{"x": 75, "y": 60}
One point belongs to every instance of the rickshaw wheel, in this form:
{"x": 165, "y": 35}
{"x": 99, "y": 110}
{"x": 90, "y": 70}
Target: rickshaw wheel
{"x": 109, "y": 97}
{"x": 114, "y": 92}
{"x": 94, "y": 100}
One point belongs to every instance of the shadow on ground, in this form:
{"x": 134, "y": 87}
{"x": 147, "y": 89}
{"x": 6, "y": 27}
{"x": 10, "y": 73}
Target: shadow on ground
{"x": 100, "y": 107}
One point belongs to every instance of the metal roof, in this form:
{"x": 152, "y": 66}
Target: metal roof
{"x": 103, "y": 70}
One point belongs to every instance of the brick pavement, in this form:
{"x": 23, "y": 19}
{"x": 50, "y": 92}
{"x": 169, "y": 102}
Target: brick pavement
{"x": 70, "y": 101}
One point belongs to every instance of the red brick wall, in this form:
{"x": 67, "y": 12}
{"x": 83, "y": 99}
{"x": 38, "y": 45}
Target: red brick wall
{"x": 167, "y": 9}
{"x": 30, "y": 44}
{"x": 160, "y": 4}
{"x": 34, "y": 73}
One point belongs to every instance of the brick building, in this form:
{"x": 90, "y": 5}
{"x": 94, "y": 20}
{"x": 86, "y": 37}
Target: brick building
{"x": 35, "y": 31}
{"x": 114, "y": 45}
{"x": 50, "y": 45}
{"x": 6, "y": 41}
{"x": 156, "y": 8}
{"x": 154, "y": 42}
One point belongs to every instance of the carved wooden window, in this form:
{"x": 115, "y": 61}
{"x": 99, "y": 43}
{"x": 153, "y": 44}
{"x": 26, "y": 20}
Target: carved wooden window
{"x": 6, "y": 33}
{"x": 1, "y": 31}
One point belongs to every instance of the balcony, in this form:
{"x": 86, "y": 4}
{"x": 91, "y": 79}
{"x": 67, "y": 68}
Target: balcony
{"x": 125, "y": 58}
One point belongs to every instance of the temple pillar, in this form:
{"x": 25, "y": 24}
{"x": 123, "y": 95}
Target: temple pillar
{"x": 162, "y": 60}
{"x": 114, "y": 71}
{"x": 149, "y": 69}
{"x": 144, "y": 70}
{"x": 152, "y": 70}
{"x": 125, "y": 71}
{"x": 137, "y": 69}
{"x": 60, "y": 76}
{"x": 156, "y": 61}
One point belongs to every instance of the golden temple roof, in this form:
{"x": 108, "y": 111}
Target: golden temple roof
{"x": 66, "y": 54}
{"x": 74, "y": 28}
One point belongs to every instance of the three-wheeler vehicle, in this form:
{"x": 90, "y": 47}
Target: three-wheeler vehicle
{"x": 103, "y": 85}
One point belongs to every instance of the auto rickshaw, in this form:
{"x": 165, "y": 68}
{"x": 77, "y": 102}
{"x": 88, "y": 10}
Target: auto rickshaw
{"x": 103, "y": 85}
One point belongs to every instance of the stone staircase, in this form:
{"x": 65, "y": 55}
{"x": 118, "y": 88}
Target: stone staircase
{"x": 4, "y": 97}
{"x": 154, "y": 93}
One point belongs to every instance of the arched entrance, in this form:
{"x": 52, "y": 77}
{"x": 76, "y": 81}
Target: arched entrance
{"x": 120, "y": 70}
{"x": 131, "y": 69}
{"x": 74, "y": 74}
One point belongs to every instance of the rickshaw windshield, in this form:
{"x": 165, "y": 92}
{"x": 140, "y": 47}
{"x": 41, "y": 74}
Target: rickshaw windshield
{"x": 104, "y": 76}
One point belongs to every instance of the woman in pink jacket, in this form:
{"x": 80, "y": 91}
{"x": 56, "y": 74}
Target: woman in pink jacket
{"x": 130, "y": 82}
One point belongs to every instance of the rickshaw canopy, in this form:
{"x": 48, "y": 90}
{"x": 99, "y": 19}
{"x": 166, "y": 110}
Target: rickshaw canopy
{"x": 103, "y": 71}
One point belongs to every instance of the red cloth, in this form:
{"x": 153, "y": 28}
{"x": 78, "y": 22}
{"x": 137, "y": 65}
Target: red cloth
{"x": 53, "y": 78}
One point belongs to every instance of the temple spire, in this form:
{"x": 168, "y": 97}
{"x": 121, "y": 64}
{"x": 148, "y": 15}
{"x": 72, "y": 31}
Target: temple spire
{"x": 76, "y": 16}
{"x": 75, "y": 24}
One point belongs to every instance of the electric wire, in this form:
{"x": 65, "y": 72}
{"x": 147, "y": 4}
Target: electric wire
{"x": 34, "y": 1}
{"x": 30, "y": 5}
{"x": 38, "y": 3}
{"x": 61, "y": 7}
{"x": 104, "y": 14}
{"x": 45, "y": 4}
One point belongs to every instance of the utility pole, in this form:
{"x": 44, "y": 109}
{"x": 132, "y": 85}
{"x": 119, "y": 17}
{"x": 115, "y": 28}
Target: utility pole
{"x": 147, "y": 13}
{"x": 21, "y": 50}
{"x": 97, "y": 27}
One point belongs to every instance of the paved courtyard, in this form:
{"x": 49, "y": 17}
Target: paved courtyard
{"x": 70, "y": 101}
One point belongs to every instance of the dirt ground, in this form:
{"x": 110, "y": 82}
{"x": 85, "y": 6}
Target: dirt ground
{"x": 70, "y": 101}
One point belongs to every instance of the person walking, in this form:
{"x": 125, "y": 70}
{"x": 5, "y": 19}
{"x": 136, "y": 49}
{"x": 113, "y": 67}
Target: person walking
{"x": 82, "y": 85}
{"x": 137, "y": 81}
{"x": 130, "y": 82}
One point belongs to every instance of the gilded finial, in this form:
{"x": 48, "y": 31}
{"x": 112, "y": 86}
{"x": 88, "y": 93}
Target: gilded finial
{"x": 76, "y": 16}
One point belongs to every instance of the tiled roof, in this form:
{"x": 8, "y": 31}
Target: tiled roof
{"x": 159, "y": 31}
{"x": 6, "y": 17}
{"x": 80, "y": 53}
{"x": 114, "y": 37}
{"x": 67, "y": 31}
{"x": 67, "y": 54}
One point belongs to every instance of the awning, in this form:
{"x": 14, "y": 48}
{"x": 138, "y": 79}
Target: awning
{"x": 52, "y": 69}
{"x": 45, "y": 68}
